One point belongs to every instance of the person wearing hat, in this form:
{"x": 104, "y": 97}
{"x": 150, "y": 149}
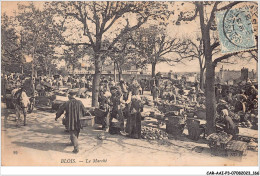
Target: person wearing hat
{"x": 74, "y": 110}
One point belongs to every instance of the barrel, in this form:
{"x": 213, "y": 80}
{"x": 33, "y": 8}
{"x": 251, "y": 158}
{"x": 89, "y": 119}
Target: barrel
{"x": 194, "y": 130}
{"x": 175, "y": 125}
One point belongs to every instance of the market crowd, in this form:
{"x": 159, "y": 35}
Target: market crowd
{"x": 121, "y": 104}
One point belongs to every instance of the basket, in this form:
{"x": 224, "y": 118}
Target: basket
{"x": 99, "y": 115}
{"x": 217, "y": 144}
{"x": 56, "y": 104}
{"x": 87, "y": 121}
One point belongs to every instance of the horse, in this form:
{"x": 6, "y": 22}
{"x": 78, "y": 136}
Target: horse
{"x": 22, "y": 103}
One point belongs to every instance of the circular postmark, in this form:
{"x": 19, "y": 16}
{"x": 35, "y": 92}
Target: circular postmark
{"x": 237, "y": 27}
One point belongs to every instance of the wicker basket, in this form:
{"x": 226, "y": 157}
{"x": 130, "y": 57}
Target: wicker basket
{"x": 236, "y": 149}
{"x": 99, "y": 115}
{"x": 87, "y": 121}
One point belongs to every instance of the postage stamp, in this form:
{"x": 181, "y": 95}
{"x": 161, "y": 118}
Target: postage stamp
{"x": 235, "y": 30}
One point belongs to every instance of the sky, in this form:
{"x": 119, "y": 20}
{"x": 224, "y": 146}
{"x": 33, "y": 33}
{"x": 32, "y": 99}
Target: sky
{"x": 185, "y": 30}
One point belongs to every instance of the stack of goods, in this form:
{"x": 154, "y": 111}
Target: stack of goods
{"x": 236, "y": 149}
{"x": 153, "y": 133}
{"x": 252, "y": 146}
{"x": 235, "y": 117}
{"x": 155, "y": 113}
{"x": 252, "y": 143}
{"x": 145, "y": 100}
{"x": 246, "y": 124}
{"x": 219, "y": 140}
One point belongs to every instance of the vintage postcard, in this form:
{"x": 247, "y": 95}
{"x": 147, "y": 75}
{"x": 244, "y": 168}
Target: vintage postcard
{"x": 127, "y": 83}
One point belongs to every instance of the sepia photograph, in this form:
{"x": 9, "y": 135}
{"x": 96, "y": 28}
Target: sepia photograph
{"x": 129, "y": 83}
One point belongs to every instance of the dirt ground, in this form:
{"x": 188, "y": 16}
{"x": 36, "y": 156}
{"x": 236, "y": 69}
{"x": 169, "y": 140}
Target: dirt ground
{"x": 43, "y": 142}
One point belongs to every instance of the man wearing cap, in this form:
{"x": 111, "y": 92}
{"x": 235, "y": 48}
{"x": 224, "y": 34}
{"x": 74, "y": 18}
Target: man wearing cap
{"x": 74, "y": 111}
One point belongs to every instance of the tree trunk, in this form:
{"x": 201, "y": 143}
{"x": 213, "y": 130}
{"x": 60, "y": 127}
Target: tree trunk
{"x": 120, "y": 74}
{"x": 96, "y": 81}
{"x": 210, "y": 98}
{"x": 119, "y": 71}
{"x": 4, "y": 84}
{"x": 115, "y": 72}
{"x": 201, "y": 79}
{"x": 33, "y": 80}
{"x": 153, "y": 69}
{"x": 210, "y": 74}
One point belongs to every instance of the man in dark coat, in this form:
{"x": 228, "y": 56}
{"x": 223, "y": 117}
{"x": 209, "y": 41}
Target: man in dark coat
{"x": 74, "y": 111}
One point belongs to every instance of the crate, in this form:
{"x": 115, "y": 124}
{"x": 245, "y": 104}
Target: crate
{"x": 87, "y": 121}
{"x": 236, "y": 149}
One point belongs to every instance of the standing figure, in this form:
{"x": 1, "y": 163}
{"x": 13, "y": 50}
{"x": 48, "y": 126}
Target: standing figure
{"x": 116, "y": 112}
{"x": 134, "y": 119}
{"x": 155, "y": 93}
{"x": 104, "y": 104}
{"x": 142, "y": 84}
{"x": 74, "y": 111}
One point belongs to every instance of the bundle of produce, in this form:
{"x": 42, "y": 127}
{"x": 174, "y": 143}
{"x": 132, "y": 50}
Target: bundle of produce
{"x": 247, "y": 139}
{"x": 246, "y": 124}
{"x": 252, "y": 146}
{"x": 235, "y": 117}
{"x": 219, "y": 139}
{"x": 171, "y": 113}
{"x": 155, "y": 113}
{"x": 145, "y": 100}
{"x": 153, "y": 133}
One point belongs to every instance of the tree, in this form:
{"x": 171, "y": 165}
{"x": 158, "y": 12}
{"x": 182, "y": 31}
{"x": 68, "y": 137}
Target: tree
{"x": 206, "y": 26}
{"x": 154, "y": 44}
{"x": 10, "y": 48}
{"x": 39, "y": 34}
{"x": 124, "y": 55}
{"x": 72, "y": 54}
{"x": 10, "y": 44}
{"x": 102, "y": 20}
